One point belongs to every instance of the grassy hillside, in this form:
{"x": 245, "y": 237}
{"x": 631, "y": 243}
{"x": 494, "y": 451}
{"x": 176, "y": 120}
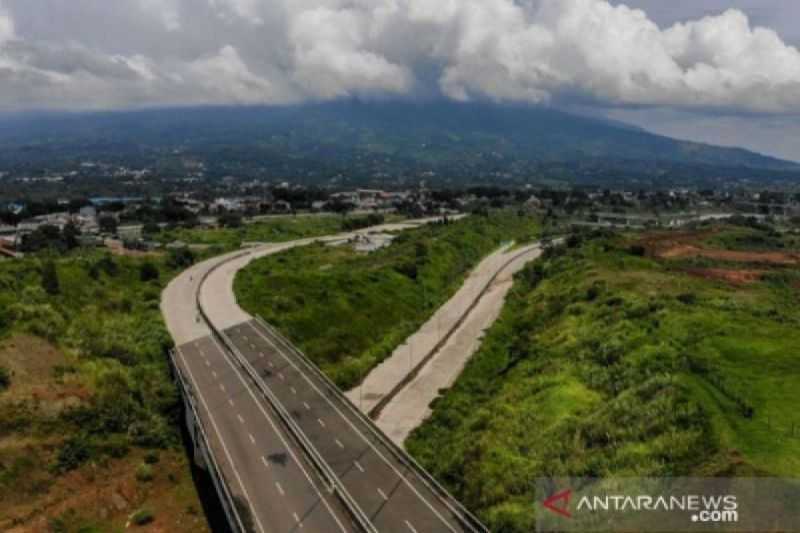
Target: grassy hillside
{"x": 348, "y": 311}
{"x": 89, "y": 417}
{"x": 644, "y": 355}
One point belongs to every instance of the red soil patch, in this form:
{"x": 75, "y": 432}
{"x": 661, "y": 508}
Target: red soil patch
{"x": 734, "y": 277}
{"x": 680, "y": 245}
{"x": 661, "y": 243}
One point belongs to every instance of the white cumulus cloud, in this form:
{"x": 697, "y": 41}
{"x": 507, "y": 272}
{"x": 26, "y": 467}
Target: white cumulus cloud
{"x": 86, "y": 54}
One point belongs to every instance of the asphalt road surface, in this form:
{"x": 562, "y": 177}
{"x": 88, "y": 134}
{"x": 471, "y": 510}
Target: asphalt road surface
{"x": 278, "y": 491}
{"x": 393, "y": 496}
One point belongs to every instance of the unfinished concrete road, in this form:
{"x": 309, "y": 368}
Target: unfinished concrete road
{"x": 410, "y": 406}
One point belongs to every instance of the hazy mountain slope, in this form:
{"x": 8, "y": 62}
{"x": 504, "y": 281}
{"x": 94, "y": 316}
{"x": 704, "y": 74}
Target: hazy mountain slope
{"x": 412, "y": 135}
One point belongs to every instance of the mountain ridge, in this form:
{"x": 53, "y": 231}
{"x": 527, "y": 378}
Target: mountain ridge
{"x": 399, "y": 137}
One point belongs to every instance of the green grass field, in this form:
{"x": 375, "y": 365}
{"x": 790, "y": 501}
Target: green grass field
{"x": 348, "y": 311}
{"x": 604, "y": 363}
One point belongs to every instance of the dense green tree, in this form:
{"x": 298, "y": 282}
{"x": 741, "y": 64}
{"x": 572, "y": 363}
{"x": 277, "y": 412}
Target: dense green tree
{"x": 50, "y": 281}
{"x": 230, "y": 220}
{"x": 181, "y": 258}
{"x": 5, "y": 378}
{"x": 148, "y": 272}
{"x": 108, "y": 224}
{"x": 70, "y": 235}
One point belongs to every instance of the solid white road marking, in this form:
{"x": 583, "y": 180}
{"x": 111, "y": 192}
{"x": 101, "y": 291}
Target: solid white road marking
{"x": 358, "y": 431}
{"x": 292, "y": 453}
{"x": 224, "y": 447}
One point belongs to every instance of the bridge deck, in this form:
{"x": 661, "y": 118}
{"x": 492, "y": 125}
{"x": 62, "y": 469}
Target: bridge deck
{"x": 277, "y": 491}
{"x": 392, "y": 495}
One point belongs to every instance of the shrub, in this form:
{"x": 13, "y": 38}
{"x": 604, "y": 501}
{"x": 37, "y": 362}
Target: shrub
{"x": 231, "y": 220}
{"x": 75, "y": 451}
{"x": 592, "y": 293}
{"x": 638, "y": 250}
{"x": 142, "y": 517}
{"x": 151, "y": 458}
{"x": 687, "y": 298}
{"x": 50, "y": 282}
{"x": 180, "y": 258}
{"x": 144, "y": 473}
{"x": 5, "y": 378}
{"x": 148, "y": 272}
{"x": 573, "y": 241}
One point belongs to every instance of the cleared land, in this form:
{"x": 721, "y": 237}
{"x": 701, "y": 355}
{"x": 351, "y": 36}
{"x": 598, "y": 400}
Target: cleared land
{"x": 610, "y": 359}
{"x": 348, "y": 311}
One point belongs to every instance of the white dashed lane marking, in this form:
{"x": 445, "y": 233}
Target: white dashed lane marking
{"x": 383, "y": 495}
{"x": 358, "y": 465}
{"x": 241, "y": 420}
{"x": 280, "y": 489}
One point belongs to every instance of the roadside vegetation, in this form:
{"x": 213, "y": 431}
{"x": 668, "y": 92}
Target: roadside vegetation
{"x": 348, "y": 310}
{"x": 86, "y": 396}
{"x": 234, "y": 232}
{"x": 630, "y": 355}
